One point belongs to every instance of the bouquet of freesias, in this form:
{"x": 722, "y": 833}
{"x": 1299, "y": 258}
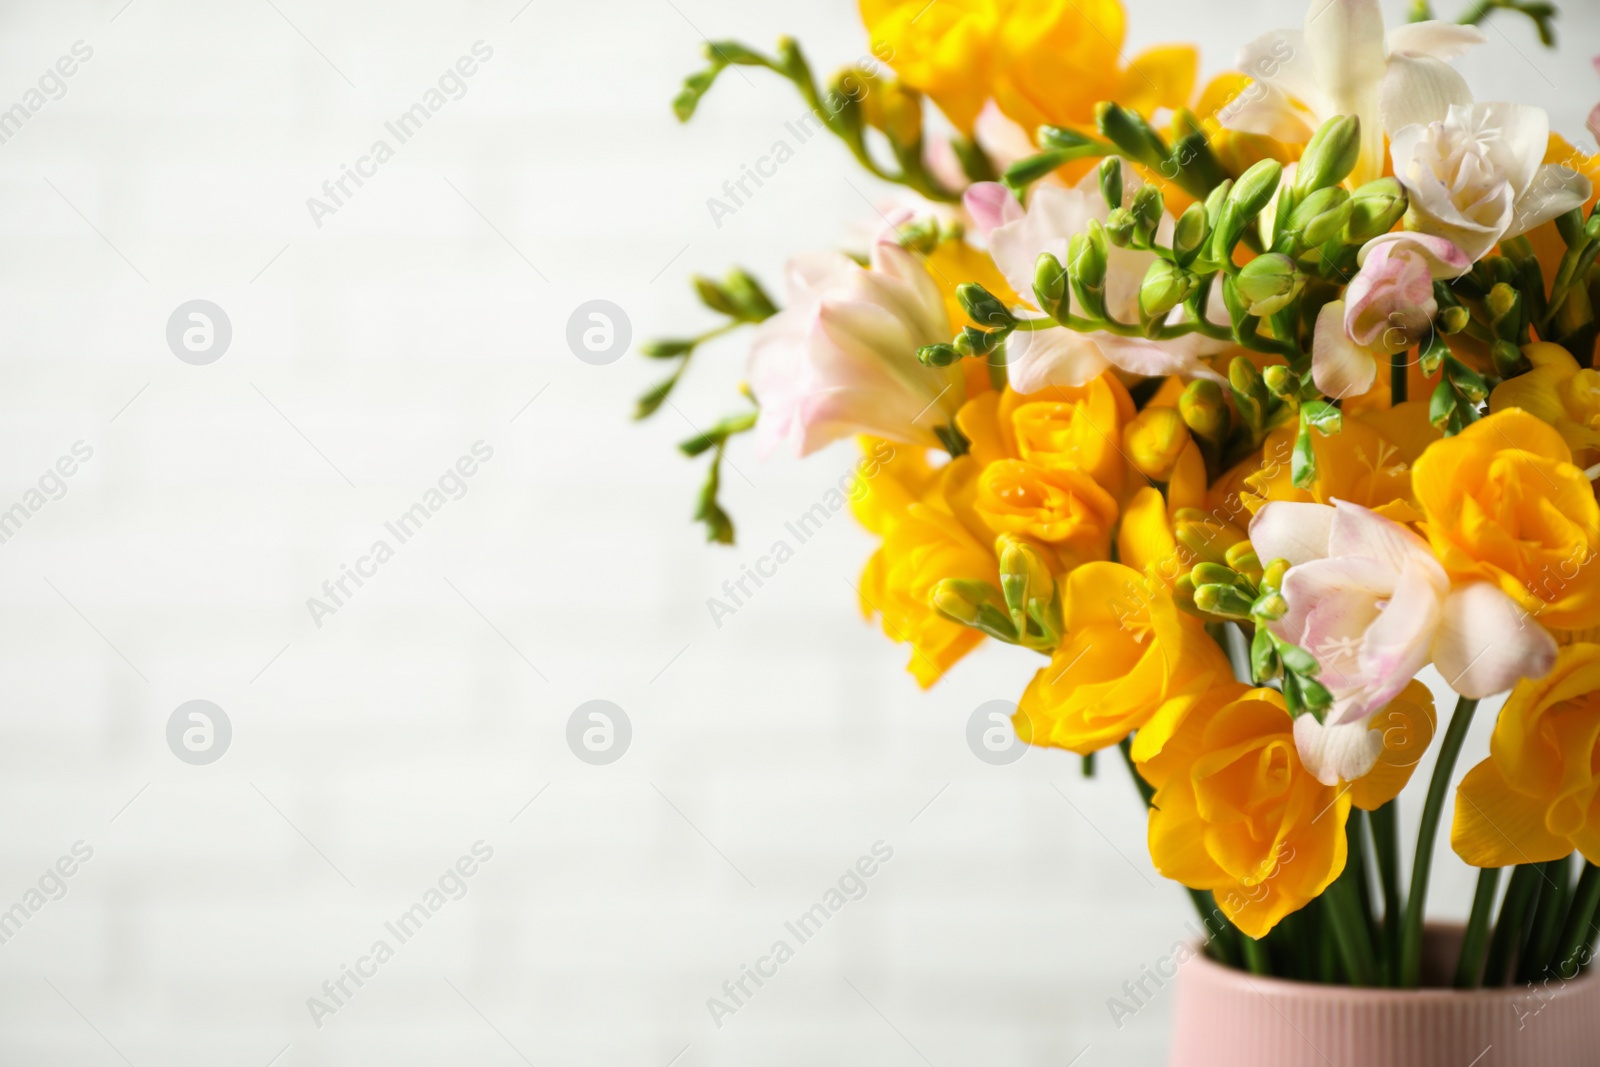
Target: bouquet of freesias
{"x": 1240, "y": 407}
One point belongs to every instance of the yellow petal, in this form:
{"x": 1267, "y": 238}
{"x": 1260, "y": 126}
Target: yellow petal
{"x": 1496, "y": 826}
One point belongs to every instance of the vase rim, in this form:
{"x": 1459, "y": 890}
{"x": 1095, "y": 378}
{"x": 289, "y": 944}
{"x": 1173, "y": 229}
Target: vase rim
{"x": 1296, "y": 988}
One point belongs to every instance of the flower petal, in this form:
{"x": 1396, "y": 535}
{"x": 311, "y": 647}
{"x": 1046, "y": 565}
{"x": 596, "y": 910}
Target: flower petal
{"x": 1487, "y": 642}
{"x": 1359, "y": 531}
{"x": 1279, "y": 61}
{"x": 1057, "y": 356}
{"x": 1291, "y": 530}
{"x": 1339, "y": 366}
{"x": 1496, "y": 826}
{"x": 1514, "y": 136}
{"x": 991, "y": 205}
{"x": 1555, "y": 190}
{"x": 1419, "y": 89}
{"x": 1444, "y": 258}
{"x": 1434, "y": 37}
{"x": 1334, "y": 753}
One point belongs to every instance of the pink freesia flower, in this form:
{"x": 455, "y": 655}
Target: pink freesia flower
{"x": 1594, "y": 116}
{"x": 841, "y": 358}
{"x": 1058, "y": 356}
{"x": 1368, "y": 599}
{"x": 1387, "y": 308}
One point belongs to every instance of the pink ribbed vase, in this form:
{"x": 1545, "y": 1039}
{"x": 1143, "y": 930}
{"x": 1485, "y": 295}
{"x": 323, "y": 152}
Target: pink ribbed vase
{"x": 1229, "y": 1018}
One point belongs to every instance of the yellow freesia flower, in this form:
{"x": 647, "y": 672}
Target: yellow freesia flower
{"x": 1045, "y": 466}
{"x": 1559, "y": 392}
{"x": 923, "y": 543}
{"x": 1041, "y": 61}
{"x": 1127, "y": 650}
{"x": 1503, "y": 502}
{"x": 1367, "y": 463}
{"x": 1537, "y": 796}
{"x": 1235, "y": 811}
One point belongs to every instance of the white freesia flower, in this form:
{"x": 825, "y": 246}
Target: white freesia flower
{"x": 841, "y": 358}
{"x": 1476, "y": 174}
{"x": 1343, "y": 63}
{"x": 1059, "y": 356}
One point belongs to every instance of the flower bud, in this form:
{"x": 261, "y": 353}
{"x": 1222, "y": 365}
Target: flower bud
{"x": 666, "y": 349}
{"x": 1242, "y": 558}
{"x": 1147, "y": 209}
{"x": 1268, "y": 283}
{"x": 1270, "y": 606}
{"x": 1255, "y": 187}
{"x": 1154, "y": 440}
{"x": 1119, "y": 227}
{"x": 1128, "y": 130}
{"x": 1330, "y": 155}
{"x": 1204, "y": 410}
{"x": 1329, "y": 224}
{"x": 1165, "y": 286}
{"x": 972, "y": 603}
{"x": 1272, "y": 574}
{"x": 983, "y": 307}
{"x": 973, "y": 341}
{"x": 1504, "y": 305}
{"x": 1024, "y": 576}
{"x": 1454, "y": 319}
{"x": 1190, "y": 233}
{"x": 1468, "y": 382}
{"x": 1224, "y": 600}
{"x": 1087, "y": 255}
{"x": 937, "y": 355}
{"x": 1183, "y": 594}
{"x": 1315, "y": 206}
{"x": 1050, "y": 287}
{"x": 1507, "y": 359}
{"x": 1281, "y": 381}
{"x": 1111, "y": 181}
{"x": 1374, "y": 209}
{"x": 1213, "y": 573}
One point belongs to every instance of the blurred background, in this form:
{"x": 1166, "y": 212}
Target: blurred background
{"x": 408, "y": 743}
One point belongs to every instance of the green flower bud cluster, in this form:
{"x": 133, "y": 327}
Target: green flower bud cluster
{"x": 1240, "y": 589}
{"x": 1025, "y": 610}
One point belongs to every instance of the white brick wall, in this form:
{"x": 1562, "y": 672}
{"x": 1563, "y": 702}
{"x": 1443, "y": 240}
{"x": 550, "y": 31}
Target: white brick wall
{"x": 370, "y": 753}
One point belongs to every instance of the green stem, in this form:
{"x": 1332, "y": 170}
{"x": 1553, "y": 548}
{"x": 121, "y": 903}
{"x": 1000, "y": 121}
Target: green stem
{"x": 1575, "y": 936}
{"x": 1476, "y": 941}
{"x": 1519, "y": 897}
{"x": 1386, "y": 843}
{"x": 1361, "y": 860}
{"x": 1397, "y": 378}
{"x": 1410, "y": 973}
{"x": 1547, "y": 920}
{"x": 1351, "y": 932}
{"x": 1256, "y": 960}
